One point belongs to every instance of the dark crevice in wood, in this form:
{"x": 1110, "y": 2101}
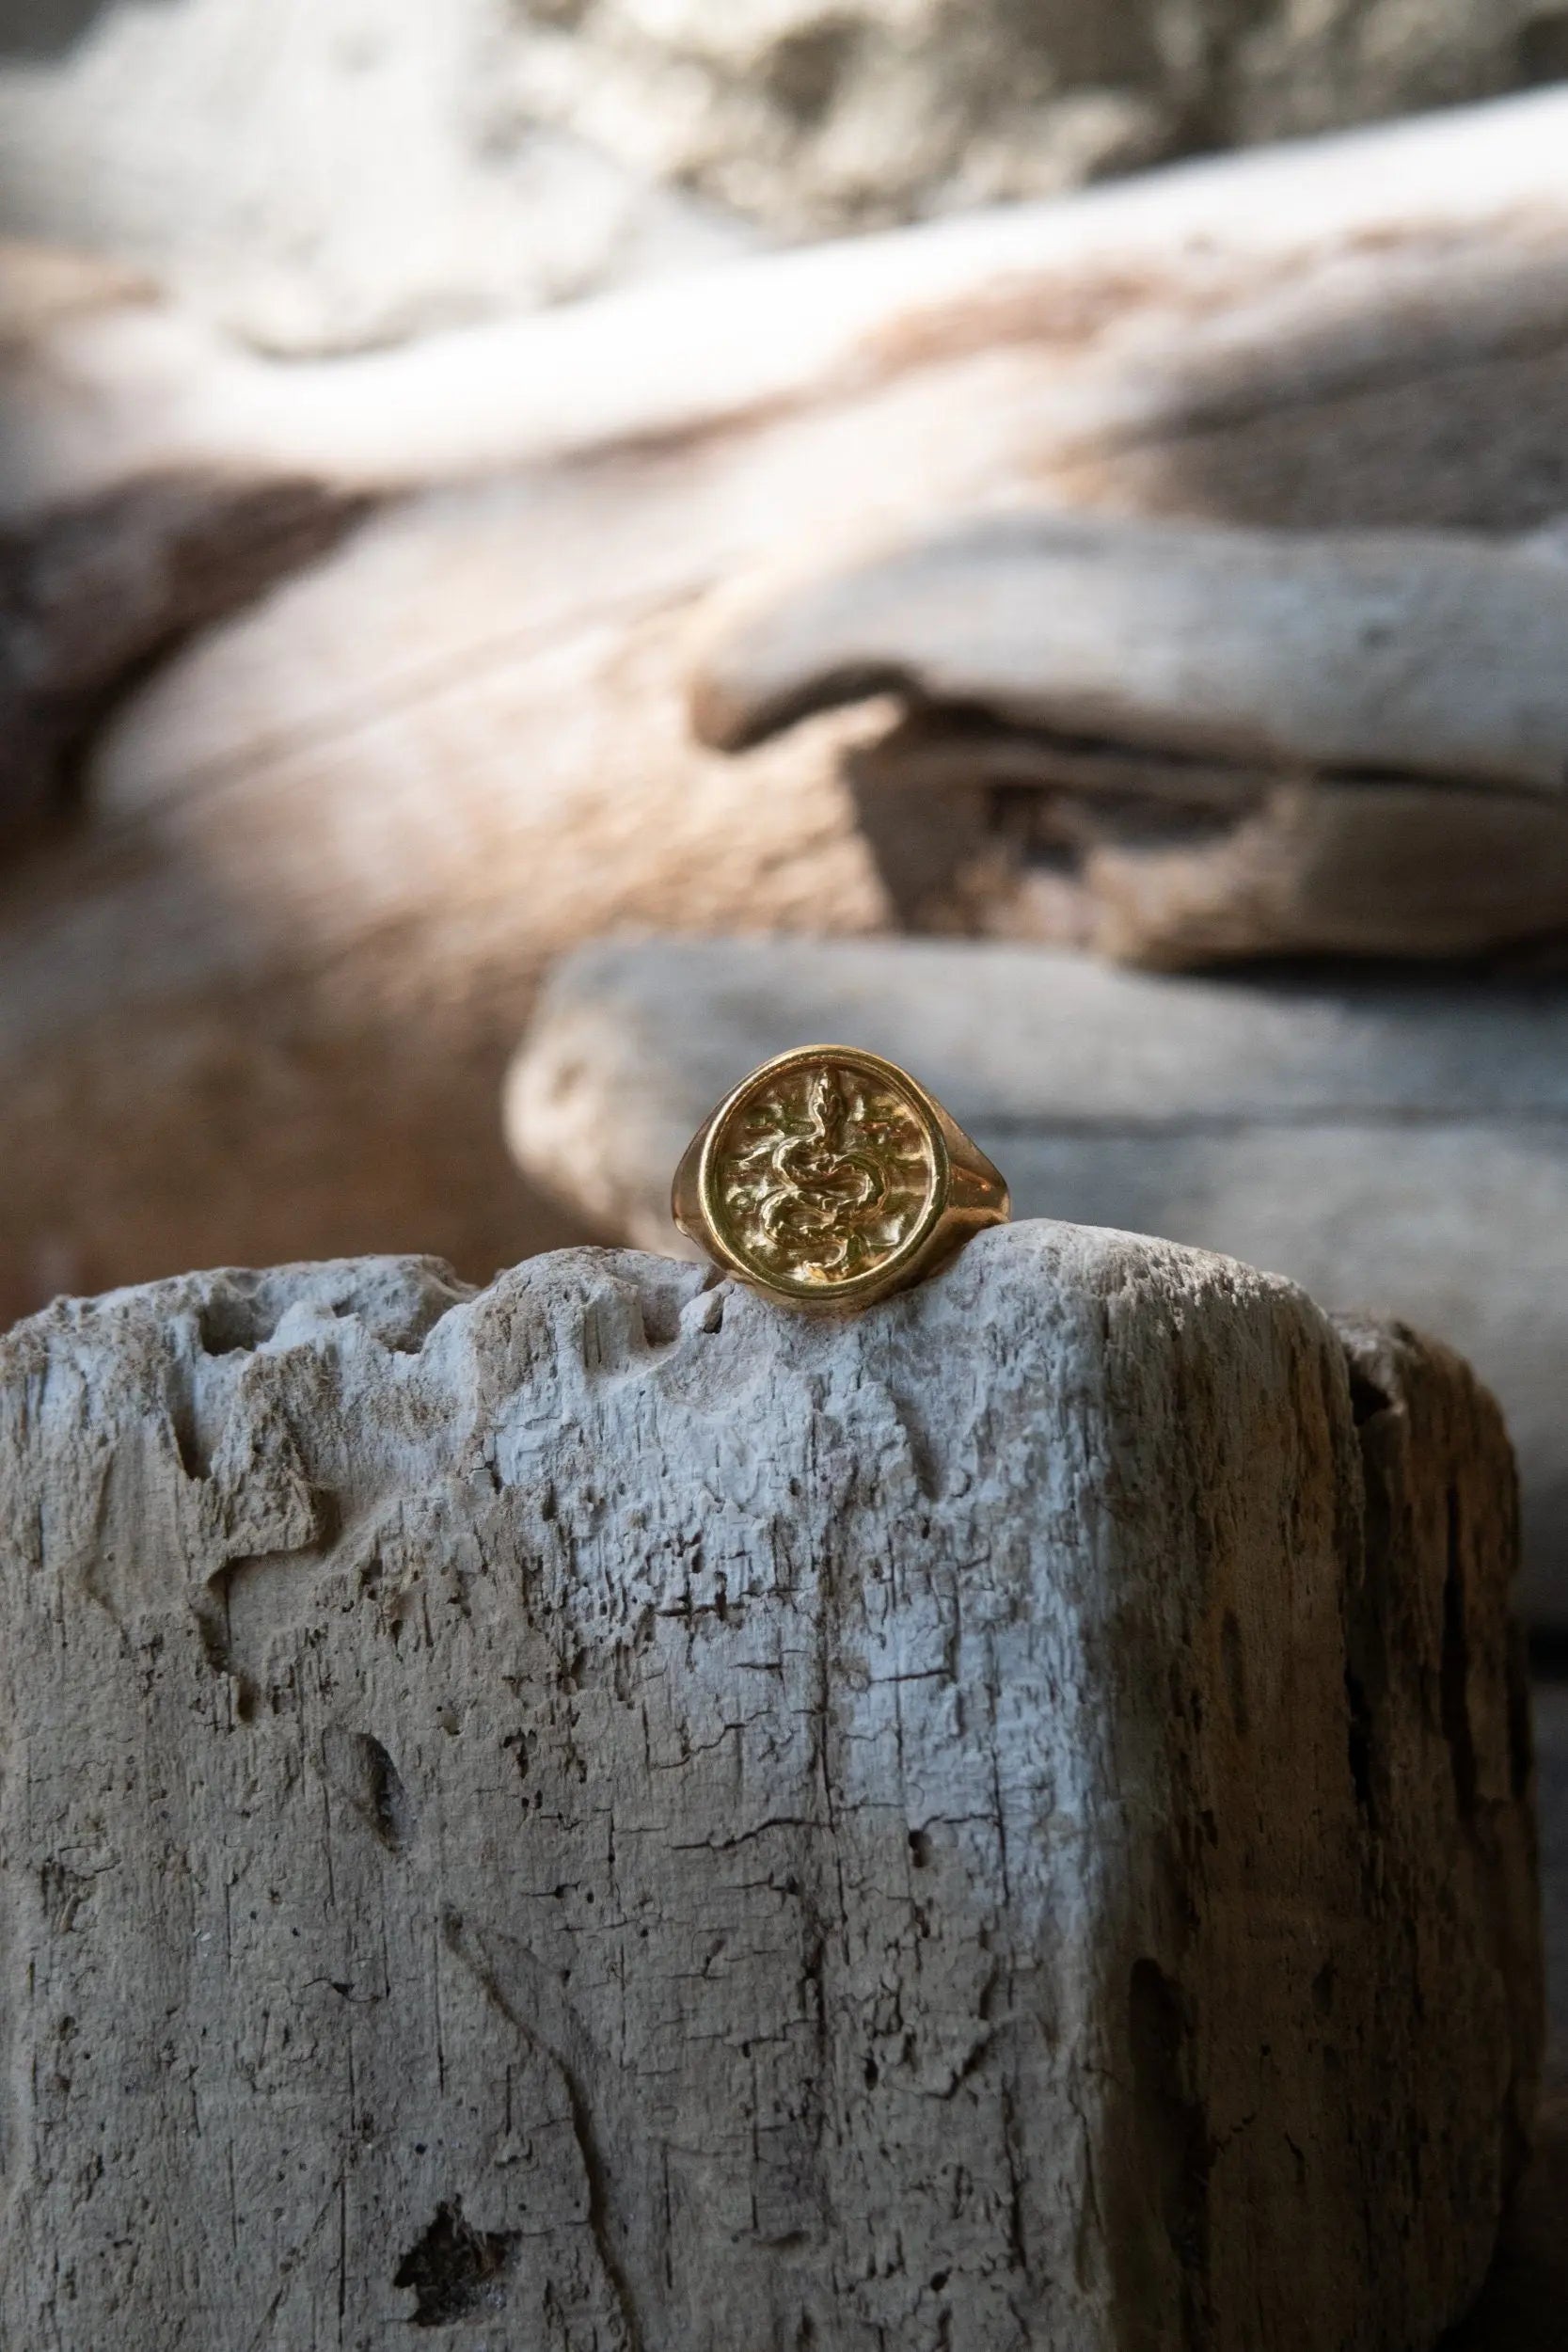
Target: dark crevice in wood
{"x": 1366, "y": 1397}
{"x": 456, "y": 2270}
{"x": 1455, "y": 1671}
{"x": 1173, "y": 2132}
{"x": 233, "y": 1317}
{"x": 94, "y": 596}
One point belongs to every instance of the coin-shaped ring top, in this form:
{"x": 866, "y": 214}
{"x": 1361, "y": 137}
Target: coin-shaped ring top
{"x": 824, "y": 1172}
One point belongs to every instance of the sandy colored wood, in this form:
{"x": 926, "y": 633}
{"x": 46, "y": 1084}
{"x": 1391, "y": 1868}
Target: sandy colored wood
{"x": 1389, "y": 1144}
{"x": 1151, "y": 859}
{"x": 262, "y": 998}
{"x": 1169, "y": 862}
{"x": 598, "y": 1812}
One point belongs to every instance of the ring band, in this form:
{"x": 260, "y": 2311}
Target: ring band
{"x": 831, "y": 1178}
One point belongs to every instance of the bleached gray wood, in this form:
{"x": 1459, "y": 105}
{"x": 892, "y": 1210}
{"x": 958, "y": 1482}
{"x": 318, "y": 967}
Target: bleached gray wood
{"x": 1414, "y": 655}
{"x": 1396, "y": 1146}
{"x": 595, "y": 1814}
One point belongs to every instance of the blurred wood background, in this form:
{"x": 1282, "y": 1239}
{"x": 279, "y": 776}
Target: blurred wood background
{"x": 287, "y": 898}
{"x": 354, "y": 597}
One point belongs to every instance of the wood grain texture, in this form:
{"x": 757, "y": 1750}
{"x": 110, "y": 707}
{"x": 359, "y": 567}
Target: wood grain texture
{"x": 594, "y": 1815}
{"x": 1396, "y": 1145}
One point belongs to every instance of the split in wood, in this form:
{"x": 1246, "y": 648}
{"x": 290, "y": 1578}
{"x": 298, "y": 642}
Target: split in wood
{"x": 1177, "y": 744}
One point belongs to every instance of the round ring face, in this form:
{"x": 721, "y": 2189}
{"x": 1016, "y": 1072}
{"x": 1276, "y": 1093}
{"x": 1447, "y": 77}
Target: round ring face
{"x": 822, "y": 1173}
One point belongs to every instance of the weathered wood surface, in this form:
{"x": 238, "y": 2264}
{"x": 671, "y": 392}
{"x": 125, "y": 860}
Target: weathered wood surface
{"x": 600, "y": 1814}
{"x": 1551, "y": 1741}
{"x": 1210, "y": 742}
{"x": 1393, "y": 1145}
{"x": 1417, "y": 654}
{"x": 257, "y": 998}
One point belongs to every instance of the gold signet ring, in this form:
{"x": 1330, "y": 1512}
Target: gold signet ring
{"x": 831, "y": 1178}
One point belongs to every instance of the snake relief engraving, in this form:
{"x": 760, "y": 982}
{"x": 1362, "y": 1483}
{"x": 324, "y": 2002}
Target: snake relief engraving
{"x": 823, "y": 1174}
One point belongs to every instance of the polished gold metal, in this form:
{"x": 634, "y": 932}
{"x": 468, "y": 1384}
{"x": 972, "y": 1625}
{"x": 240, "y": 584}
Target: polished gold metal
{"x": 831, "y": 1178}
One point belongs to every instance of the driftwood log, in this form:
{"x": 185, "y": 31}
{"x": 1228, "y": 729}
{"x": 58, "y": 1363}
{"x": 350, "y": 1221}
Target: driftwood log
{"x": 257, "y": 991}
{"x": 1211, "y": 311}
{"x": 1394, "y": 1145}
{"x": 599, "y": 1815}
{"x": 1177, "y": 743}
